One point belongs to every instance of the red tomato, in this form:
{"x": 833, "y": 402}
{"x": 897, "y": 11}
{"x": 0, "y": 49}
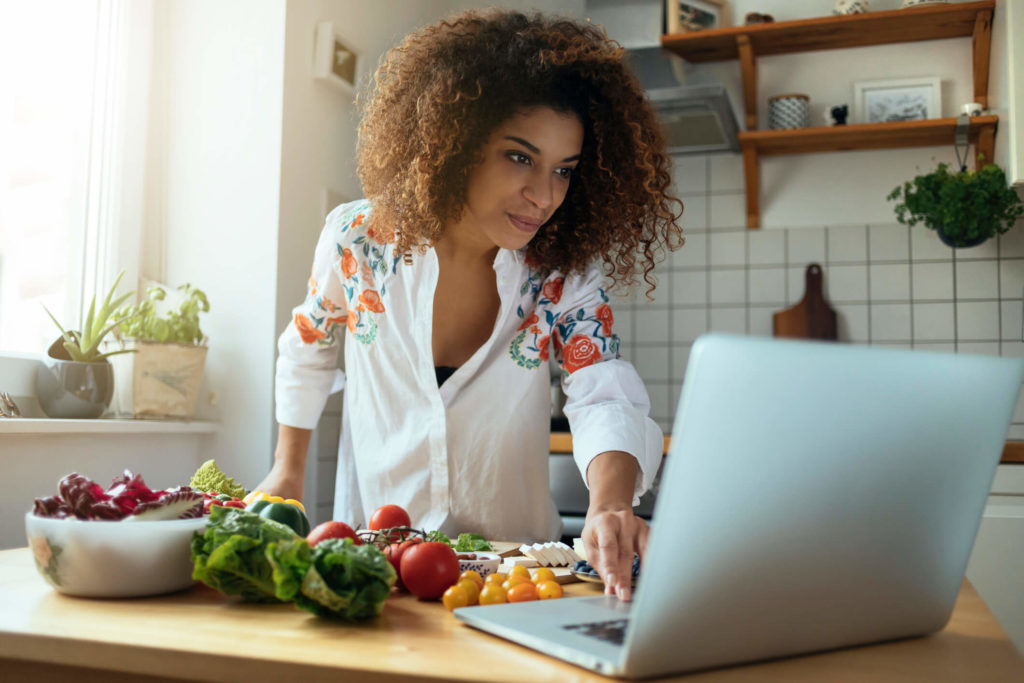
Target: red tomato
{"x": 394, "y": 554}
{"x": 388, "y": 516}
{"x": 428, "y": 569}
{"x": 321, "y": 532}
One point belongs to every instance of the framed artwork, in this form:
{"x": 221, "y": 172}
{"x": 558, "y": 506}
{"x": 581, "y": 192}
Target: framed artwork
{"x": 904, "y": 99}
{"x": 335, "y": 60}
{"x": 684, "y": 16}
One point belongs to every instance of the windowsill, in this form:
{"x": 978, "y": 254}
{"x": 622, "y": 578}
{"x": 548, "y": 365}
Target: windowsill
{"x": 103, "y": 426}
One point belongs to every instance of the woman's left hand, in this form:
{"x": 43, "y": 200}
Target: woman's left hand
{"x": 611, "y": 535}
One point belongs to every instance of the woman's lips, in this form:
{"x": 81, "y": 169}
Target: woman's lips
{"x": 524, "y": 224}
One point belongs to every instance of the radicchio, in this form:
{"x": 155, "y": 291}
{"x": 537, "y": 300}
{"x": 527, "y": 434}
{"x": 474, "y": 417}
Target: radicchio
{"x": 127, "y": 498}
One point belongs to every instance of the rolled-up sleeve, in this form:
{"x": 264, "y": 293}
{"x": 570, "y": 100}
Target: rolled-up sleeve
{"x": 607, "y": 404}
{"x": 307, "y": 365}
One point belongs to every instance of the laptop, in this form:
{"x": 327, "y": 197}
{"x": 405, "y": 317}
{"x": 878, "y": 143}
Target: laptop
{"x": 816, "y": 495}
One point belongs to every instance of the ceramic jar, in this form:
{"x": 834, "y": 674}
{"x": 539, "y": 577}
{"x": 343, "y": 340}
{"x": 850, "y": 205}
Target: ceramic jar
{"x": 789, "y": 111}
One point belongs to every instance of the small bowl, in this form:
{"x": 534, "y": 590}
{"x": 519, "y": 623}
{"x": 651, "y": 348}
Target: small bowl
{"x": 484, "y": 564}
{"x": 124, "y": 559}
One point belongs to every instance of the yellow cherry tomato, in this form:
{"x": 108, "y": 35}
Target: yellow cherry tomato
{"x": 493, "y": 594}
{"x": 514, "y": 580}
{"x": 522, "y": 592}
{"x": 519, "y": 570}
{"x": 496, "y": 578}
{"x": 455, "y": 597}
{"x": 477, "y": 579}
{"x": 542, "y": 574}
{"x": 549, "y": 590}
{"x": 472, "y": 590}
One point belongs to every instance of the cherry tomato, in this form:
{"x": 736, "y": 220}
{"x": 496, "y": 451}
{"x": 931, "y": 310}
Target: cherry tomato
{"x": 514, "y": 579}
{"x": 474, "y": 576}
{"x": 519, "y": 570}
{"x": 428, "y": 569}
{"x": 394, "y": 554}
{"x": 388, "y": 516}
{"x": 472, "y": 590}
{"x": 549, "y": 590}
{"x": 542, "y": 574}
{"x": 522, "y": 592}
{"x": 321, "y": 532}
{"x": 455, "y": 597}
{"x": 496, "y": 578}
{"x": 493, "y": 594}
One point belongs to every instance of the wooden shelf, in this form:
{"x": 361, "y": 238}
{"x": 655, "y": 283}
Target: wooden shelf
{"x": 933, "y": 22}
{"x": 927, "y": 133}
{"x": 747, "y": 43}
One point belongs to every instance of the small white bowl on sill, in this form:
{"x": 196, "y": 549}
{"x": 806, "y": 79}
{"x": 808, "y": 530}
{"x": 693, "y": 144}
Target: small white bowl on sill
{"x": 113, "y": 559}
{"x": 483, "y": 564}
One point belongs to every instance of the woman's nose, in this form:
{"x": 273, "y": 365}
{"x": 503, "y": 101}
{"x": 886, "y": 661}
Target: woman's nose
{"x": 540, "y": 193}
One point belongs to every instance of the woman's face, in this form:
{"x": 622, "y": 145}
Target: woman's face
{"x": 523, "y": 177}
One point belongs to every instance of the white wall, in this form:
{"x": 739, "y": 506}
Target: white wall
{"x": 223, "y": 80}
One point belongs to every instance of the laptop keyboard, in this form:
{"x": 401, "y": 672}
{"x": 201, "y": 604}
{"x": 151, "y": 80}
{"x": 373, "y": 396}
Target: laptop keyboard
{"x": 611, "y": 631}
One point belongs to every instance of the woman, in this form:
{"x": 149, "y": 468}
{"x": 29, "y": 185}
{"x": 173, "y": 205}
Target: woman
{"x": 510, "y": 165}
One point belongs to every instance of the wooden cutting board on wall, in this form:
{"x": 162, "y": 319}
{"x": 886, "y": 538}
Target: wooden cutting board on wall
{"x": 812, "y": 317}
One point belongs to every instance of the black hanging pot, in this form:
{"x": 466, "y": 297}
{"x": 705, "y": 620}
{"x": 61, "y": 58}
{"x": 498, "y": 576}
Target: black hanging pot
{"x": 959, "y": 242}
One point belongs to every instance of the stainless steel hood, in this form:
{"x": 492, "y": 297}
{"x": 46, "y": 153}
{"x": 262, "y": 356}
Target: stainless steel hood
{"x": 697, "y": 119}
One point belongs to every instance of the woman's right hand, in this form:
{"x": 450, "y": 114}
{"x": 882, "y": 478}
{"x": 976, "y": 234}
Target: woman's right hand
{"x": 282, "y": 481}
{"x": 288, "y": 475}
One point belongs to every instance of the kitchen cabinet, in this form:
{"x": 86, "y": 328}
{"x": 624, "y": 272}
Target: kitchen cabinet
{"x": 746, "y": 43}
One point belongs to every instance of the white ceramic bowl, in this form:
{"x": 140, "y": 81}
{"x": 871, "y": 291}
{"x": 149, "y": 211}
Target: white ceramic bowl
{"x": 484, "y": 564}
{"x": 102, "y": 559}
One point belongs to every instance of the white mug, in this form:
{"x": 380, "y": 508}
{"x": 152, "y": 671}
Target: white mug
{"x": 972, "y": 108}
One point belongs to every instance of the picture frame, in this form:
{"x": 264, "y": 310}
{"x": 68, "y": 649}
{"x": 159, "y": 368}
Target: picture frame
{"x": 336, "y": 61}
{"x": 686, "y": 16}
{"x": 901, "y": 99}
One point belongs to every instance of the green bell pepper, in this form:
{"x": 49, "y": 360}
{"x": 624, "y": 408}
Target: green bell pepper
{"x": 285, "y": 513}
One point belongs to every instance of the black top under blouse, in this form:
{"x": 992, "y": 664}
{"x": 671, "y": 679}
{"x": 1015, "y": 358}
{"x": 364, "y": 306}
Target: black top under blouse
{"x": 443, "y": 372}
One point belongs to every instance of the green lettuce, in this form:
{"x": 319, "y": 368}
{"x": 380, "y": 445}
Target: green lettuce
{"x": 231, "y": 555}
{"x": 472, "y": 543}
{"x": 336, "y": 578}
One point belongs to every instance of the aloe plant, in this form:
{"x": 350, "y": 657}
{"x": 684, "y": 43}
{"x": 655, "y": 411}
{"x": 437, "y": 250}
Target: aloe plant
{"x": 84, "y": 346}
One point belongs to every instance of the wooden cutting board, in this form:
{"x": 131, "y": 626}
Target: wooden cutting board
{"x": 812, "y": 317}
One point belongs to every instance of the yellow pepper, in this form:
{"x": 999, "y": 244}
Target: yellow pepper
{"x": 259, "y": 495}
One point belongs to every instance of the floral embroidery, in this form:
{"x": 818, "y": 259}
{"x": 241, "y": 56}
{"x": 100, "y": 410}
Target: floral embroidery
{"x": 532, "y": 320}
{"x": 307, "y": 331}
{"x": 604, "y": 314}
{"x": 553, "y": 290}
{"x": 371, "y": 300}
{"x": 358, "y": 220}
{"x": 349, "y": 265}
{"x": 580, "y": 352}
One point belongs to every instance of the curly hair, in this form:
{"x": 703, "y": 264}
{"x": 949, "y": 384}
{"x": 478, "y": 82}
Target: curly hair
{"x": 439, "y": 96}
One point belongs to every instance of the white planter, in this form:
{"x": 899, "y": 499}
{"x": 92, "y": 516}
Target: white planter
{"x": 160, "y": 380}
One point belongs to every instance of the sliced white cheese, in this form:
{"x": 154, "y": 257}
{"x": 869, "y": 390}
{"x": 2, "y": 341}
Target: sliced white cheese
{"x": 521, "y": 562}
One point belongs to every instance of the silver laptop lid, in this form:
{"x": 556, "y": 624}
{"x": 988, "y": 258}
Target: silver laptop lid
{"x": 816, "y": 495}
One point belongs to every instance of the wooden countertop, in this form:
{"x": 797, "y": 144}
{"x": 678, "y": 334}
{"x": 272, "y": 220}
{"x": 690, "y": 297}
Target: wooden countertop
{"x": 561, "y": 442}
{"x": 201, "y": 635}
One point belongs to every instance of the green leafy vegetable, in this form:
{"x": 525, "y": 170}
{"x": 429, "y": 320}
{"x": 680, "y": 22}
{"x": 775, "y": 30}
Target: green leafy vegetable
{"x": 472, "y": 543}
{"x": 437, "y": 536}
{"x": 231, "y": 555}
{"x": 336, "y": 578}
{"x": 210, "y": 478}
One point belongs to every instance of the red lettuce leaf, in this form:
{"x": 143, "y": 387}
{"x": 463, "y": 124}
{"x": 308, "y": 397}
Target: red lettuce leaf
{"x": 51, "y": 506}
{"x": 80, "y": 493}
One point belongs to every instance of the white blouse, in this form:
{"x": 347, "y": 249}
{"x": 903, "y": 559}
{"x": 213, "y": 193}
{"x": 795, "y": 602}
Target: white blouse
{"x": 471, "y": 455}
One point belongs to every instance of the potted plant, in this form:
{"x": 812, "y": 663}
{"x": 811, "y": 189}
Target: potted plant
{"x": 964, "y": 208}
{"x": 75, "y": 379}
{"x": 162, "y": 379}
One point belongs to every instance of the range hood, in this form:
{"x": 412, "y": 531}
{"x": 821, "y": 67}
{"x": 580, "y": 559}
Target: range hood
{"x": 697, "y": 119}
{"x": 693, "y": 106}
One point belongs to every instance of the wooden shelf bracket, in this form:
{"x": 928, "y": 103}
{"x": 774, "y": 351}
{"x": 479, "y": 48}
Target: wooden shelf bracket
{"x": 748, "y": 70}
{"x": 981, "y": 42}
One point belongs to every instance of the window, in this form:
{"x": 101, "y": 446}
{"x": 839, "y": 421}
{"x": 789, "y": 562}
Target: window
{"x": 72, "y": 82}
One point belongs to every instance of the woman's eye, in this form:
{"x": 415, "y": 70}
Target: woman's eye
{"x": 519, "y": 157}
{"x": 565, "y": 172}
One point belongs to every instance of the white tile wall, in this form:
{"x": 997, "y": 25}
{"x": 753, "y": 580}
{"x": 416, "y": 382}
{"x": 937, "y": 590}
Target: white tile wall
{"x": 890, "y": 285}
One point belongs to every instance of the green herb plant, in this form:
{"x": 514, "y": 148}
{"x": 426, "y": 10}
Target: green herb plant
{"x": 84, "y": 346}
{"x": 142, "y": 321}
{"x": 965, "y": 208}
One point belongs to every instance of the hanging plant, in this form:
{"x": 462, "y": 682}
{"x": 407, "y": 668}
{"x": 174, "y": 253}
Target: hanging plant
{"x": 964, "y": 208}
